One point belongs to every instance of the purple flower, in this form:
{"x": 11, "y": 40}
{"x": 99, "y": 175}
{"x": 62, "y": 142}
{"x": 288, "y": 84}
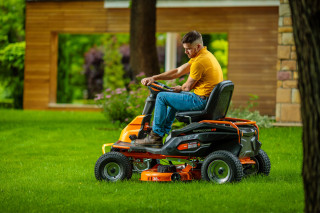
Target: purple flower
{"x": 118, "y": 91}
{"x": 98, "y": 97}
{"x": 140, "y": 74}
{"x": 108, "y": 90}
{"x": 108, "y": 96}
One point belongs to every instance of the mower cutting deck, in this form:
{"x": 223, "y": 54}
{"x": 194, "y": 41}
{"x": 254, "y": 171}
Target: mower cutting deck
{"x": 211, "y": 146}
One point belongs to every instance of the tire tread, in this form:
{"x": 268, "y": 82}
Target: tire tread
{"x": 117, "y": 157}
{"x": 235, "y": 165}
{"x": 264, "y": 163}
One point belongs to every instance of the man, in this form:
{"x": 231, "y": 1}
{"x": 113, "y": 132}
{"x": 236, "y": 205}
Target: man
{"x": 205, "y": 73}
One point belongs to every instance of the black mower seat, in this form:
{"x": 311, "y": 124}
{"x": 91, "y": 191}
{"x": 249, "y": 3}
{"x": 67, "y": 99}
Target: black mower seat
{"x": 216, "y": 108}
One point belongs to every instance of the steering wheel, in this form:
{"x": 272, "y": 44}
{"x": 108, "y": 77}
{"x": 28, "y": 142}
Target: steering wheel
{"x": 157, "y": 87}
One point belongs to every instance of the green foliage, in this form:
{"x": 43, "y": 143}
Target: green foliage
{"x": 6, "y": 103}
{"x": 12, "y": 70}
{"x": 71, "y": 80}
{"x": 3, "y": 92}
{"x": 12, "y": 59}
{"x": 249, "y": 113}
{"x": 262, "y": 120}
{"x": 121, "y": 105}
{"x": 220, "y": 51}
{"x": 161, "y": 39}
{"x": 114, "y": 72}
{"x": 12, "y": 19}
{"x": 115, "y": 104}
{"x": 137, "y": 96}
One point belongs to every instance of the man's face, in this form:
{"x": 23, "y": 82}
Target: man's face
{"x": 190, "y": 50}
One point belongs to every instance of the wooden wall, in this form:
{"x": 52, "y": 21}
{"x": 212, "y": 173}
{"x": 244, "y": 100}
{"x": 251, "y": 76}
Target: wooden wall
{"x": 252, "y": 34}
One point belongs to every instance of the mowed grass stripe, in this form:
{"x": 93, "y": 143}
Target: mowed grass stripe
{"x": 47, "y": 165}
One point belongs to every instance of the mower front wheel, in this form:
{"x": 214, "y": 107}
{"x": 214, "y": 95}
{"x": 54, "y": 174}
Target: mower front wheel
{"x": 221, "y": 167}
{"x": 113, "y": 166}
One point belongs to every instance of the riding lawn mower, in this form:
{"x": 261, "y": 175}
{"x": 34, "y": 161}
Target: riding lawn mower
{"x": 211, "y": 146}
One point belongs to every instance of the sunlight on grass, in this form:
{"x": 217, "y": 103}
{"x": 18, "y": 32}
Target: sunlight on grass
{"x": 47, "y": 164}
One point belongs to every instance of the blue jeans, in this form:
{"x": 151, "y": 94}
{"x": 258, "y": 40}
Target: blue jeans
{"x": 168, "y": 103}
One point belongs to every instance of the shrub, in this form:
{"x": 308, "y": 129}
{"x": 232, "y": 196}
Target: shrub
{"x": 114, "y": 69}
{"x": 243, "y": 113}
{"x": 94, "y": 70}
{"x": 115, "y": 104}
{"x": 12, "y": 21}
{"x": 121, "y": 105}
{"x": 12, "y": 70}
{"x": 250, "y": 114}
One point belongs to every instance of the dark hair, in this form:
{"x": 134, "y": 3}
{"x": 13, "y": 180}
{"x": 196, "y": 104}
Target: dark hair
{"x": 191, "y": 37}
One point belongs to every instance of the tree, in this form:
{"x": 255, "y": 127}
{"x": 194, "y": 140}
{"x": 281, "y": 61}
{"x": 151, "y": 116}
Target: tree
{"x": 143, "y": 51}
{"x": 12, "y": 19}
{"x": 12, "y": 49}
{"x": 306, "y": 29}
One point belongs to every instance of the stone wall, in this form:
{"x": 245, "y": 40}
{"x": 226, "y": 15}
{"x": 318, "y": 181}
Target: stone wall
{"x": 288, "y": 99}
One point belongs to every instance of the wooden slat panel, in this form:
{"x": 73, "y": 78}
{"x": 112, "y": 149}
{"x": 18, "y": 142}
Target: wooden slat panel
{"x": 37, "y": 65}
{"x": 37, "y": 36}
{"x": 34, "y": 95}
{"x": 35, "y": 104}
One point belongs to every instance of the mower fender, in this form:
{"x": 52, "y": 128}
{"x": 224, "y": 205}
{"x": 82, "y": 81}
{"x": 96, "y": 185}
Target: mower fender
{"x": 201, "y": 144}
{"x": 250, "y": 143}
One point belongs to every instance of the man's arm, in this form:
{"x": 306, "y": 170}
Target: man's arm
{"x": 169, "y": 75}
{"x": 188, "y": 86}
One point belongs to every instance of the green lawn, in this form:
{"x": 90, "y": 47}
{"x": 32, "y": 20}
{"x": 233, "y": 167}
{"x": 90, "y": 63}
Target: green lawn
{"x": 47, "y": 164}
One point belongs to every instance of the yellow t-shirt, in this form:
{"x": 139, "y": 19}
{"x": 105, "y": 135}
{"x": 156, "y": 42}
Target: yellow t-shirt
{"x": 206, "y": 70}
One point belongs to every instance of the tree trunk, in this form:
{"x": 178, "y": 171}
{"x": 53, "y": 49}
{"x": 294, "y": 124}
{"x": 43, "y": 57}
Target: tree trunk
{"x": 306, "y": 28}
{"x": 143, "y": 51}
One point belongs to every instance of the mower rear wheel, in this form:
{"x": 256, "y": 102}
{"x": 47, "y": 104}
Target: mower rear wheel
{"x": 264, "y": 163}
{"x": 221, "y": 167}
{"x": 113, "y": 166}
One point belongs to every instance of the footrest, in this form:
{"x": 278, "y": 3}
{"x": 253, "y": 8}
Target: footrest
{"x": 133, "y": 147}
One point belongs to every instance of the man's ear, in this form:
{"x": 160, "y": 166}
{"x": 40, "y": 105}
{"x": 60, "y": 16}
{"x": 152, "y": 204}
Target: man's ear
{"x": 198, "y": 47}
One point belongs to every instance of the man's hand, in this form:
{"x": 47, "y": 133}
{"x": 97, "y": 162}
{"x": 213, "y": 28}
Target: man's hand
{"x": 177, "y": 89}
{"x": 147, "y": 81}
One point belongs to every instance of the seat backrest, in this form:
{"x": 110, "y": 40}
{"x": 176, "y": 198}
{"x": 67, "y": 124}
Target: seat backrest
{"x": 219, "y": 101}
